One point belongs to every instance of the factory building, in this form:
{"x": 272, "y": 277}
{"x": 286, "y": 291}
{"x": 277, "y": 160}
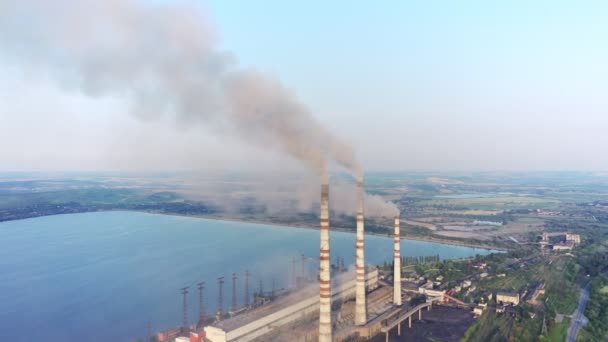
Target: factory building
{"x": 256, "y": 323}
{"x": 574, "y": 238}
{"x": 507, "y": 297}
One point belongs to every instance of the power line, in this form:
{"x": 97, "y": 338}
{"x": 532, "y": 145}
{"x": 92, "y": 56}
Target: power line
{"x": 234, "y": 304}
{"x": 247, "y": 275}
{"x": 201, "y": 306}
{"x": 185, "y": 305}
{"x": 220, "y": 298}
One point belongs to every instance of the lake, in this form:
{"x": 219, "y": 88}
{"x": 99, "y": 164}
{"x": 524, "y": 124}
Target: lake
{"x": 103, "y": 276}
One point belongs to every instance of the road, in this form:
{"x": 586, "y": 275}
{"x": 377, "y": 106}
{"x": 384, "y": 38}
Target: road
{"x": 578, "y": 318}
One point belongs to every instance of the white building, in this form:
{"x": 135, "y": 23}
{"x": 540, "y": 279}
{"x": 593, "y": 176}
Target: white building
{"x": 507, "y": 298}
{"x": 575, "y": 238}
{"x": 265, "y": 319}
{"x": 479, "y": 309}
{"x": 430, "y": 292}
{"x": 564, "y": 246}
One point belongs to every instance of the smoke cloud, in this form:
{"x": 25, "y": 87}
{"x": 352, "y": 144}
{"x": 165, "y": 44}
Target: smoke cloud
{"x": 164, "y": 61}
{"x": 300, "y": 195}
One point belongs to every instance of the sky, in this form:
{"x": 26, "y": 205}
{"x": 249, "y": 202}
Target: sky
{"x": 412, "y": 85}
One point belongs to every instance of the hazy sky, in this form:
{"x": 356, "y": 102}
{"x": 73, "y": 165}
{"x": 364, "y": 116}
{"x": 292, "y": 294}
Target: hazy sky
{"x": 421, "y": 85}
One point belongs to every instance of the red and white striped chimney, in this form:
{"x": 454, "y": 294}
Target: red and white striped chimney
{"x": 360, "y": 304}
{"x": 325, "y": 327}
{"x": 397, "y": 266}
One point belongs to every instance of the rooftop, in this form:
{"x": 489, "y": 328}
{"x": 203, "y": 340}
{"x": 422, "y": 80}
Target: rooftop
{"x": 308, "y": 292}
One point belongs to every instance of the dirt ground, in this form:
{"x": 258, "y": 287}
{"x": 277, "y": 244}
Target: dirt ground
{"x": 519, "y": 228}
{"x": 440, "y": 324}
{"x": 465, "y": 235}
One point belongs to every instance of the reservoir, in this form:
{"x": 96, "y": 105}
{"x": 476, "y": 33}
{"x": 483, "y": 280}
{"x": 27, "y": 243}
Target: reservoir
{"x": 105, "y": 276}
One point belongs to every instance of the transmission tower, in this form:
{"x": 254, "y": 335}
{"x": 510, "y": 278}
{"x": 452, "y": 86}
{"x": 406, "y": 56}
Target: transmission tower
{"x": 185, "y": 306}
{"x": 220, "y": 297}
{"x": 247, "y": 275}
{"x": 201, "y": 305}
{"x": 273, "y": 288}
{"x": 261, "y": 288}
{"x": 234, "y": 306}
{"x": 303, "y": 270}
{"x": 293, "y": 271}
{"x": 148, "y": 332}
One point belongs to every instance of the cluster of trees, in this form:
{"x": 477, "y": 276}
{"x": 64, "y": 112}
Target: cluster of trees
{"x": 89, "y": 200}
{"x": 597, "y": 309}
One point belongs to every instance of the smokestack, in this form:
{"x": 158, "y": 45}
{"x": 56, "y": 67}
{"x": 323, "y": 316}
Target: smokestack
{"x": 325, "y": 333}
{"x": 360, "y": 305}
{"x": 397, "y": 268}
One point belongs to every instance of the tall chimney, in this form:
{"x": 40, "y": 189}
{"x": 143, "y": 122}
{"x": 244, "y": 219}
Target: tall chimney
{"x": 325, "y": 333}
{"x": 397, "y": 268}
{"x": 360, "y": 305}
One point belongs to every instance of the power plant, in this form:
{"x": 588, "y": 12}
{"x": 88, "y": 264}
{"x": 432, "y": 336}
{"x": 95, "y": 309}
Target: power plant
{"x": 345, "y": 305}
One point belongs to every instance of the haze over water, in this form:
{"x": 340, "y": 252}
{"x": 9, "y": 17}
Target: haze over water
{"x": 103, "y": 276}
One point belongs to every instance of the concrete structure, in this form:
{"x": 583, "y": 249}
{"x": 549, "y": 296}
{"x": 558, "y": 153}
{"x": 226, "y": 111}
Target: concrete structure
{"x": 360, "y": 305}
{"x": 538, "y": 290}
{"x": 397, "y": 316}
{"x": 479, "y": 309}
{"x": 507, "y": 298}
{"x": 379, "y": 306}
{"x": 325, "y": 331}
{"x": 569, "y": 245}
{"x": 545, "y": 239}
{"x": 397, "y": 266}
{"x": 575, "y": 238}
{"x": 430, "y": 292}
{"x": 267, "y": 318}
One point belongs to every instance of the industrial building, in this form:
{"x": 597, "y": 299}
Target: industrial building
{"x": 267, "y": 318}
{"x": 339, "y": 307}
{"x": 574, "y": 238}
{"x": 507, "y": 297}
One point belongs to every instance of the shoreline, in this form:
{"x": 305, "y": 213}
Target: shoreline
{"x": 291, "y": 225}
{"x": 338, "y": 229}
